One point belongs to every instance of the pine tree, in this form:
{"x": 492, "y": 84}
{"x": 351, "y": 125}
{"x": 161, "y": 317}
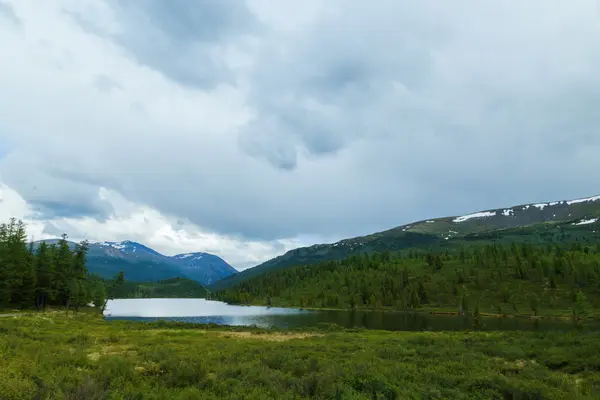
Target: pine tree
{"x": 423, "y": 299}
{"x": 45, "y": 276}
{"x": 63, "y": 272}
{"x": 5, "y": 277}
{"x": 16, "y": 258}
{"x": 118, "y": 283}
{"x": 438, "y": 262}
{"x": 26, "y": 292}
{"x": 79, "y": 293}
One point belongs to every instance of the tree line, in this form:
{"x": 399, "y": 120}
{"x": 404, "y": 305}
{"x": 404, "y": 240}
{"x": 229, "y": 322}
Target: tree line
{"x": 494, "y": 278}
{"x": 42, "y": 275}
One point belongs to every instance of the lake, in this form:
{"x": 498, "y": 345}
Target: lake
{"x": 203, "y": 311}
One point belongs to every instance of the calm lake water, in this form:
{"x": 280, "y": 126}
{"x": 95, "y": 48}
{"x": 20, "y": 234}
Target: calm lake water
{"x": 205, "y": 311}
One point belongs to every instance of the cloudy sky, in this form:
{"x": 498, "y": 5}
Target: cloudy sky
{"x": 247, "y": 128}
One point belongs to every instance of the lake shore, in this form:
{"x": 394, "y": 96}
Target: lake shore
{"x": 564, "y": 315}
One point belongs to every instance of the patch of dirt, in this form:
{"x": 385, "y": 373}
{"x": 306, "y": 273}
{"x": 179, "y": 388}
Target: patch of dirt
{"x": 112, "y": 351}
{"x": 269, "y": 337}
{"x": 123, "y": 350}
{"x": 175, "y": 331}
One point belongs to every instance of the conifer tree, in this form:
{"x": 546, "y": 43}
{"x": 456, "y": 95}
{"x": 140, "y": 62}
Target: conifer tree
{"x": 45, "y": 276}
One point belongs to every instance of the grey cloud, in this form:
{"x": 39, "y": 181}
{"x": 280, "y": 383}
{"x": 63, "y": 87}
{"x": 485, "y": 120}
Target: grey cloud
{"x": 8, "y": 13}
{"x": 181, "y": 39}
{"x": 381, "y": 114}
{"x": 51, "y": 229}
{"x": 105, "y": 83}
{"x": 52, "y": 194}
{"x": 50, "y": 209}
{"x": 323, "y": 92}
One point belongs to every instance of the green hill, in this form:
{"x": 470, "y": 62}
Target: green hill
{"x": 529, "y": 279}
{"x": 167, "y": 288}
{"x": 541, "y": 222}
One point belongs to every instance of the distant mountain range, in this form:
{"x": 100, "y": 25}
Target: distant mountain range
{"x": 141, "y": 263}
{"x": 528, "y": 222}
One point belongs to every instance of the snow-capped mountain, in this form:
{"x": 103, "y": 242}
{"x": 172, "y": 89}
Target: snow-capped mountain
{"x": 204, "y": 266}
{"x": 141, "y": 263}
{"x": 128, "y": 247}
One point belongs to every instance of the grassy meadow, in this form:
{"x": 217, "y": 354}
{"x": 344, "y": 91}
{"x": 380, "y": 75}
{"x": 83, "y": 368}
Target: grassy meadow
{"x": 53, "y": 356}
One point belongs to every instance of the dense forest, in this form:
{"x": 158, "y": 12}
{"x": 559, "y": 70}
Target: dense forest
{"x": 166, "y": 288}
{"x": 493, "y": 278}
{"x": 53, "y": 275}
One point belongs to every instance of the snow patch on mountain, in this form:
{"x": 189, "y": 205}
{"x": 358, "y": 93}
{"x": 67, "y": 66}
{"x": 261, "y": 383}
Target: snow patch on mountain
{"x": 586, "y": 221}
{"x": 189, "y": 256}
{"x": 508, "y": 213}
{"x": 594, "y": 198}
{"x": 541, "y": 206}
{"x": 115, "y": 245}
{"x": 482, "y": 214}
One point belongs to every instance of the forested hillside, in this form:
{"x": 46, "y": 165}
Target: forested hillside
{"x": 167, "y": 288}
{"x": 554, "y": 222}
{"x": 501, "y": 279}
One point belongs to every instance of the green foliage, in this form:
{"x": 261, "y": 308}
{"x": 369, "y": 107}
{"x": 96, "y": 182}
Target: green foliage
{"x": 51, "y": 356}
{"x": 50, "y": 275}
{"x": 166, "y": 288}
{"x": 514, "y": 277}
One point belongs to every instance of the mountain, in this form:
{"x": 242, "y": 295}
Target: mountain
{"x": 141, "y": 263}
{"x": 203, "y": 267}
{"x": 526, "y": 222}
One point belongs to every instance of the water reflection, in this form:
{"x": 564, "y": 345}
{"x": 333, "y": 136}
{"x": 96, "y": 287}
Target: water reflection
{"x": 186, "y": 308}
{"x": 204, "y": 311}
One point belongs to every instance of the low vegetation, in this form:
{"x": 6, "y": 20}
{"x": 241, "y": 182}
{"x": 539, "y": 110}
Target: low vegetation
{"x": 53, "y": 356}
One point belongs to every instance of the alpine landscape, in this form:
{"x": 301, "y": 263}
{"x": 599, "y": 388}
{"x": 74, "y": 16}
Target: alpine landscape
{"x": 288, "y": 200}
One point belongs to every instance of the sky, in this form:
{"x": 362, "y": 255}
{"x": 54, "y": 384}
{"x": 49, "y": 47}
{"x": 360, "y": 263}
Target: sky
{"x": 248, "y": 128}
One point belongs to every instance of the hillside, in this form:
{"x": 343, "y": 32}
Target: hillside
{"x": 510, "y": 278}
{"x": 167, "y": 288}
{"x": 527, "y": 222}
{"x": 141, "y": 263}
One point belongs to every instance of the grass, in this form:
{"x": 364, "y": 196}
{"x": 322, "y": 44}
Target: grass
{"x": 54, "y": 356}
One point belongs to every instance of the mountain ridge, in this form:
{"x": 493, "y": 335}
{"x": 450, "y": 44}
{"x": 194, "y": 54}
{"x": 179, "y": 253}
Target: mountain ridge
{"x": 142, "y": 263}
{"x": 433, "y": 231}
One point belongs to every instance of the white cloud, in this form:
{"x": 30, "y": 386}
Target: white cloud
{"x": 141, "y": 223}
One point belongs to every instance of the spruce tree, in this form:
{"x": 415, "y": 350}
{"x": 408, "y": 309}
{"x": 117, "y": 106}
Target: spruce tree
{"x": 45, "y": 276}
{"x": 79, "y": 294}
{"x": 25, "y": 294}
{"x": 63, "y": 272}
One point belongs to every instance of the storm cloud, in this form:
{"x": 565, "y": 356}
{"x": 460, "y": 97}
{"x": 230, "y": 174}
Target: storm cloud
{"x": 267, "y": 122}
